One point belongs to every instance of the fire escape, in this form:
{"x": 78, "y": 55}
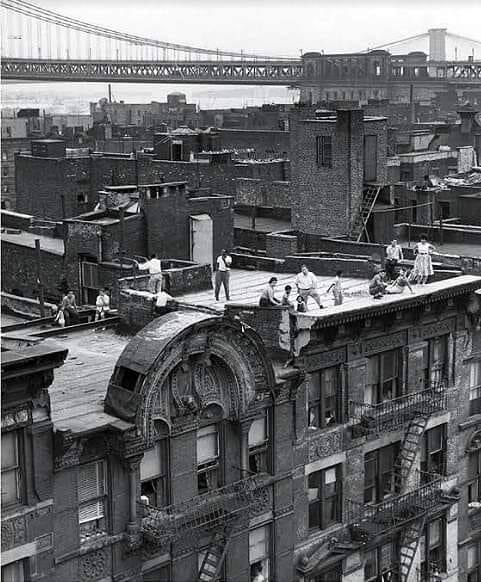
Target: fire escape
{"x": 359, "y": 225}
{"x": 409, "y": 507}
{"x": 215, "y": 513}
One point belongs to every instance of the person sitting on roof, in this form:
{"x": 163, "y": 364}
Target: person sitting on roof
{"x": 268, "y": 298}
{"x": 377, "y": 286}
{"x": 399, "y": 284}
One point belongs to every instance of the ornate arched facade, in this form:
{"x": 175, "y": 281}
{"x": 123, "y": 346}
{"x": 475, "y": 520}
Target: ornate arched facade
{"x": 203, "y": 367}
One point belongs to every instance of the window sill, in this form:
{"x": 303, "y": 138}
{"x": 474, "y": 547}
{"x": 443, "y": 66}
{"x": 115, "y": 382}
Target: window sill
{"x": 472, "y": 421}
{"x": 312, "y": 430}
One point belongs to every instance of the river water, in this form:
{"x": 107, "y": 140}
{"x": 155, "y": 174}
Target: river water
{"x": 75, "y": 97}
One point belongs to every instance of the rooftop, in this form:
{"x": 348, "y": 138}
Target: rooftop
{"x": 27, "y": 239}
{"x": 79, "y": 386}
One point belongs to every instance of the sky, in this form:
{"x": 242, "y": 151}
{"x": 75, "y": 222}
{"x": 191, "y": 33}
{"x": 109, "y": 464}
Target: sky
{"x": 277, "y": 27}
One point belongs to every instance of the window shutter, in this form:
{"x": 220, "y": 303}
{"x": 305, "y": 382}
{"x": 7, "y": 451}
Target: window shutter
{"x": 91, "y": 510}
{"x": 207, "y": 448}
{"x": 257, "y": 432}
{"x": 90, "y": 277}
{"x": 150, "y": 464}
{"x": 9, "y": 450}
{"x": 90, "y": 481}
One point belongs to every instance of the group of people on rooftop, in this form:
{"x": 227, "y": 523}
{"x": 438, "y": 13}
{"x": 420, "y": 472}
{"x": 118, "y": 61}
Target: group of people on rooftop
{"x": 306, "y": 286}
{"x": 393, "y": 279}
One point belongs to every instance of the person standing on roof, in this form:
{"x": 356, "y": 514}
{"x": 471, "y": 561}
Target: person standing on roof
{"x": 394, "y": 254}
{"x": 306, "y": 283}
{"x": 423, "y": 266}
{"x": 154, "y": 267}
{"x": 336, "y": 288}
{"x": 222, "y": 274}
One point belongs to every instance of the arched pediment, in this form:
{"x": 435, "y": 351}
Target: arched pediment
{"x": 203, "y": 368}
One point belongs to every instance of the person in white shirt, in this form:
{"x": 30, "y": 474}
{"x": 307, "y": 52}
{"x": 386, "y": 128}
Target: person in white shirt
{"x": 394, "y": 254}
{"x": 153, "y": 266}
{"x": 222, "y": 274}
{"x": 306, "y": 283}
{"x": 102, "y": 305}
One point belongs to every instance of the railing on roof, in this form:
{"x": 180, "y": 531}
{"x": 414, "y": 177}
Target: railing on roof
{"x": 366, "y": 521}
{"x": 391, "y": 414}
{"x": 210, "y": 510}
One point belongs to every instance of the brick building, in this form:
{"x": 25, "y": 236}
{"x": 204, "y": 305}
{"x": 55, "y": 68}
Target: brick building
{"x": 28, "y": 537}
{"x": 55, "y": 183}
{"x": 11, "y": 146}
{"x": 229, "y": 447}
{"x": 338, "y": 170}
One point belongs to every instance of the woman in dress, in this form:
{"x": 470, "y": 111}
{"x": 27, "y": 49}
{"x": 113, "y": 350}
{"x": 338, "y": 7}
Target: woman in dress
{"x": 423, "y": 267}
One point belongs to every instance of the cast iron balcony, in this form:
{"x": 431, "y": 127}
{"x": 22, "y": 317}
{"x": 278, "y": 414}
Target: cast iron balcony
{"x": 393, "y": 414}
{"x": 367, "y": 521}
{"x": 214, "y": 509}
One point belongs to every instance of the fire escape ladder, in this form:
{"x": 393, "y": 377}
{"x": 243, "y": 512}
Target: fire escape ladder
{"x": 214, "y": 558}
{"x": 409, "y": 545}
{"x": 409, "y": 450}
{"x": 367, "y": 204}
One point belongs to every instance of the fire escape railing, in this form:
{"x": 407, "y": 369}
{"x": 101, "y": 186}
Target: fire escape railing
{"x": 366, "y": 521}
{"x": 214, "y": 509}
{"x": 392, "y": 414}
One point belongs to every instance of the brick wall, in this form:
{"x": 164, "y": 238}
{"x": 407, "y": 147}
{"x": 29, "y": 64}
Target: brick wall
{"x": 266, "y": 143}
{"x": 326, "y": 199}
{"x": 42, "y": 181}
{"x": 280, "y": 244}
{"x": 19, "y": 271}
{"x": 251, "y": 191}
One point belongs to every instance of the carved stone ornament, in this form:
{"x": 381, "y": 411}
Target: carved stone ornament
{"x": 93, "y": 566}
{"x": 12, "y": 419}
{"x": 13, "y": 532}
{"x": 323, "y": 444}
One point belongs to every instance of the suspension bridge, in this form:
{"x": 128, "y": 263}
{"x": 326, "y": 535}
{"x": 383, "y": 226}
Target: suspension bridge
{"x": 42, "y": 45}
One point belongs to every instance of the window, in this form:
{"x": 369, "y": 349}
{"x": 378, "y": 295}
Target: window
{"x": 14, "y": 572}
{"x": 325, "y": 496}
{"x": 323, "y": 407}
{"x": 91, "y": 495}
{"x": 5, "y": 171}
{"x": 474, "y": 476}
{"x": 154, "y": 475}
{"x": 433, "y": 459}
{"x": 10, "y": 469}
{"x": 259, "y": 445}
{"x": 5, "y": 188}
{"x": 475, "y": 387}
{"x": 259, "y": 553}
{"x": 4, "y": 156}
{"x": 324, "y": 151}
{"x": 384, "y": 377}
{"x": 474, "y": 562}
{"x": 381, "y": 564}
{"x": 436, "y": 370}
{"x": 432, "y": 548}
{"x": 127, "y": 378}
{"x": 207, "y": 459}
{"x": 379, "y": 480}
{"x": 334, "y": 574}
{"x": 370, "y": 158}
{"x": 82, "y": 198}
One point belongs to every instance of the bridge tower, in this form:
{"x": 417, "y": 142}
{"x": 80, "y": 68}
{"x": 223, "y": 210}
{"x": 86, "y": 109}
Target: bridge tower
{"x": 437, "y": 44}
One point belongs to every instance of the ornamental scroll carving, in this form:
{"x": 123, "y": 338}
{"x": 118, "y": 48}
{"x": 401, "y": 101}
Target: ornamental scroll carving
{"x": 324, "y": 359}
{"x": 323, "y": 444}
{"x": 93, "y": 566}
{"x": 14, "y": 532}
{"x": 379, "y": 344}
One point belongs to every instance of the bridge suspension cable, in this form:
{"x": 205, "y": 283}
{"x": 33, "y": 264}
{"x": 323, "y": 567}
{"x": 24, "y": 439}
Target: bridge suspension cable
{"x": 38, "y": 13}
